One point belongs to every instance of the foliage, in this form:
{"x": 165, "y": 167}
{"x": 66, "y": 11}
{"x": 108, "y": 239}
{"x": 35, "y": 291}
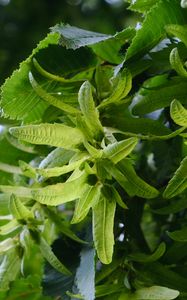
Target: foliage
{"x": 93, "y": 163}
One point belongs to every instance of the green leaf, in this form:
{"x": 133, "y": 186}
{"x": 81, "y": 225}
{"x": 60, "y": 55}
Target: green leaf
{"x": 9, "y": 227}
{"x": 155, "y": 293}
{"x": 103, "y": 222}
{"x": 18, "y": 99}
{"x": 29, "y": 288}
{"x": 27, "y": 169}
{"x": 85, "y": 274}
{"x": 158, "y": 97}
{"x": 51, "y": 99}
{"x": 86, "y": 201}
{"x": 56, "y": 158}
{"x": 141, "y": 188}
{"x": 77, "y": 65}
{"x": 119, "y": 177}
{"x": 10, "y": 154}
{"x": 119, "y": 150}
{"x": 57, "y": 171}
{"x": 143, "y": 258}
{"x": 141, "y": 126}
{"x": 51, "y": 76}
{"x": 94, "y": 152}
{"x": 4, "y": 204}
{"x": 176, "y": 63}
{"x": 19, "y": 210}
{"x": 51, "y": 257}
{"x": 109, "y": 49}
{"x": 61, "y": 192}
{"x": 73, "y": 37}
{"x": 178, "y": 113}
{"x": 108, "y": 289}
{"x": 172, "y": 208}
{"x": 19, "y": 191}
{"x": 122, "y": 84}
{"x": 62, "y": 226}
{"x": 178, "y": 31}
{"x": 148, "y": 35}
{"x": 57, "y": 135}
{"x": 90, "y": 113}
{"x": 179, "y": 235}
{"x": 110, "y": 191}
{"x": 178, "y": 182}
{"x": 102, "y": 78}
{"x": 142, "y": 6}
{"x": 6, "y": 245}
{"x": 9, "y": 269}
{"x": 9, "y": 168}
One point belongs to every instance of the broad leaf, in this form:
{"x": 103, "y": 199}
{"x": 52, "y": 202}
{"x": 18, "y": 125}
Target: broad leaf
{"x": 17, "y": 97}
{"x": 57, "y": 135}
{"x": 103, "y": 222}
{"x": 74, "y": 37}
{"x": 20, "y": 101}
{"x": 148, "y": 35}
{"x": 142, "y": 6}
{"x": 110, "y": 49}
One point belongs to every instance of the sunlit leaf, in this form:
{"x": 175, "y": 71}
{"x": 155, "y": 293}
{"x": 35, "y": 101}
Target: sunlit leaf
{"x": 19, "y": 210}
{"x": 57, "y": 135}
{"x": 86, "y": 201}
{"x": 178, "y": 113}
{"x": 103, "y": 222}
{"x": 119, "y": 150}
{"x": 90, "y": 113}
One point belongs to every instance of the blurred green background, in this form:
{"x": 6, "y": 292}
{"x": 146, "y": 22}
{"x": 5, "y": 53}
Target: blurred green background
{"x": 24, "y": 23}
